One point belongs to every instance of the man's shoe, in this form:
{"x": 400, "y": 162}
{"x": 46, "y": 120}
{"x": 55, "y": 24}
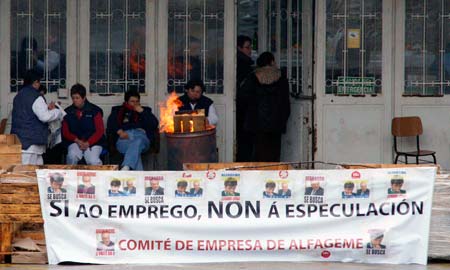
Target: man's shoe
{"x": 125, "y": 168}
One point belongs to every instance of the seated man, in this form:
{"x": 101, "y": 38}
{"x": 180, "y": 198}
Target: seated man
{"x": 154, "y": 188}
{"x": 270, "y": 190}
{"x": 193, "y": 99}
{"x": 348, "y": 190}
{"x": 133, "y": 127}
{"x": 114, "y": 191}
{"x": 86, "y": 187}
{"x": 130, "y": 189}
{"x": 30, "y": 118}
{"x": 230, "y": 186}
{"x": 83, "y": 129}
{"x": 56, "y": 182}
{"x": 181, "y": 189}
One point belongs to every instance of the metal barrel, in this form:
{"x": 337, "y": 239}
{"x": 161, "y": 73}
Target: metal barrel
{"x": 194, "y": 147}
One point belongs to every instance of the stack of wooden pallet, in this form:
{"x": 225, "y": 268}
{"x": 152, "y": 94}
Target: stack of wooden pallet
{"x": 21, "y": 215}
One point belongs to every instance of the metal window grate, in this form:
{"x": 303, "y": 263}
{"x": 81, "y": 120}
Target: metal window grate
{"x": 353, "y": 47}
{"x": 38, "y": 41}
{"x": 427, "y": 48}
{"x": 196, "y": 40}
{"x": 117, "y": 46}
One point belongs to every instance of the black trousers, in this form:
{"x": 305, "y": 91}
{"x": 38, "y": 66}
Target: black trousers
{"x": 267, "y": 147}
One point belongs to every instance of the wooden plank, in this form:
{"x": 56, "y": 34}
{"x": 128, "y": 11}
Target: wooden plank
{"x": 236, "y": 165}
{"x": 10, "y": 159}
{"x": 33, "y": 218}
{"x": 387, "y": 166}
{"x": 29, "y": 257}
{"x": 19, "y": 198}
{"x": 32, "y": 168}
{"x": 35, "y": 235}
{"x": 21, "y": 208}
{"x": 10, "y": 149}
{"x": 19, "y": 188}
{"x": 6, "y": 236}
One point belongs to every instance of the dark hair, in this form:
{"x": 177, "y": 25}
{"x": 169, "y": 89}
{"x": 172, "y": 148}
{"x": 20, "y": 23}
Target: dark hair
{"x": 182, "y": 184}
{"x": 230, "y": 182}
{"x": 43, "y": 89}
{"x": 265, "y": 59}
{"x": 79, "y": 89}
{"x": 25, "y": 42}
{"x": 191, "y": 84}
{"x": 30, "y": 77}
{"x": 270, "y": 185}
{"x": 349, "y": 185}
{"x": 56, "y": 177}
{"x": 131, "y": 93}
{"x": 397, "y": 181}
{"x": 241, "y": 39}
{"x": 115, "y": 183}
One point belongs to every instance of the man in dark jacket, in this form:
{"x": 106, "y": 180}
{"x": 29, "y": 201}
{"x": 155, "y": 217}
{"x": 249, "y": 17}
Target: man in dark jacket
{"x": 243, "y": 68}
{"x": 30, "y": 117}
{"x": 193, "y": 99}
{"x": 82, "y": 129}
{"x": 266, "y": 92}
{"x": 133, "y": 127}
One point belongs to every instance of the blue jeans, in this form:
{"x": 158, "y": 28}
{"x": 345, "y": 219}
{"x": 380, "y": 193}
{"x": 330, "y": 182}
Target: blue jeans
{"x": 132, "y": 148}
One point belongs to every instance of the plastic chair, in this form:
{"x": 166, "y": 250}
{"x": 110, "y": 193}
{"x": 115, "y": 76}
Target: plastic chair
{"x": 409, "y": 127}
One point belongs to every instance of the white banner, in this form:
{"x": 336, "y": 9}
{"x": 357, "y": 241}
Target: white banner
{"x": 112, "y": 217}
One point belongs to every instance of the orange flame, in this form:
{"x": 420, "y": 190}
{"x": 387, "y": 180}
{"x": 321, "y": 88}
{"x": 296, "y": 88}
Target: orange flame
{"x": 167, "y": 110}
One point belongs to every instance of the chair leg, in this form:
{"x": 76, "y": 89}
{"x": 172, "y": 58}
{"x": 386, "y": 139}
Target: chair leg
{"x": 434, "y": 159}
{"x": 417, "y": 159}
{"x": 406, "y": 159}
{"x": 396, "y": 159}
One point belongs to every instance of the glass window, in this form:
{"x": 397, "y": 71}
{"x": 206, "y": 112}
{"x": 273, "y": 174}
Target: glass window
{"x": 248, "y": 22}
{"x": 196, "y": 32}
{"x": 117, "y": 46}
{"x": 285, "y": 39}
{"x": 353, "y": 47}
{"x": 38, "y": 41}
{"x": 427, "y": 48}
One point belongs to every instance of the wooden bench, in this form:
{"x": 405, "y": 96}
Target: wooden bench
{"x": 20, "y": 204}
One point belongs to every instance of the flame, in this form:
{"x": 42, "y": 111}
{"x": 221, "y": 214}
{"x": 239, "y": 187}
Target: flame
{"x": 167, "y": 110}
{"x": 191, "y": 126}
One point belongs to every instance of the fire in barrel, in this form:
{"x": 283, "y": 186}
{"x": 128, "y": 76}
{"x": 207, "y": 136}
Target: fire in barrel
{"x": 189, "y": 138}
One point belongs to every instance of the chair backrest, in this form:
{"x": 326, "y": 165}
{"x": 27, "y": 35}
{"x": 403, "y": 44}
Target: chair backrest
{"x": 406, "y": 126}
{"x": 3, "y": 125}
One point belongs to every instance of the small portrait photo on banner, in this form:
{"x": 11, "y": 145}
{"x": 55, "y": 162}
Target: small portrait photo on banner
{"x": 230, "y": 190}
{"x": 56, "y": 189}
{"x": 85, "y": 185}
{"x": 314, "y": 189}
{"x": 105, "y": 242}
{"x": 376, "y": 246}
{"x": 154, "y": 185}
{"x": 276, "y": 189}
{"x": 189, "y": 187}
{"x": 397, "y": 187}
{"x": 122, "y": 187}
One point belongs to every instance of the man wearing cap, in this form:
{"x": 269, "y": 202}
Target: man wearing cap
{"x": 396, "y": 186}
{"x": 230, "y": 187}
{"x": 348, "y": 190}
{"x": 30, "y": 118}
{"x": 314, "y": 189}
{"x": 56, "y": 182}
{"x": 376, "y": 237}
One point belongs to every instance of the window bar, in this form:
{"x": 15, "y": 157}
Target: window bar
{"x": 442, "y": 49}
{"x": 30, "y": 35}
{"x": 278, "y": 33}
{"x": 127, "y": 50}
{"x": 187, "y": 46}
{"x": 297, "y": 50}
{"x": 269, "y": 32}
{"x": 362, "y": 49}
{"x": 344, "y": 47}
{"x": 424, "y": 24}
{"x": 203, "y": 67}
{"x": 289, "y": 43}
{"x": 108, "y": 49}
